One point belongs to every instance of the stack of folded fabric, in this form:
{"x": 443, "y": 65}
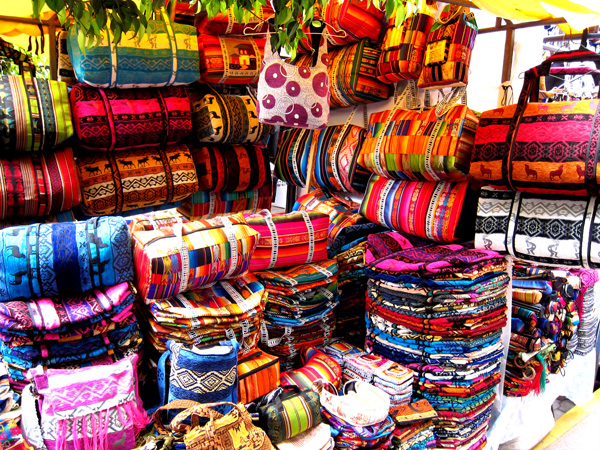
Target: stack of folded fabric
{"x": 300, "y": 310}
{"x": 588, "y": 312}
{"x": 439, "y": 310}
{"x": 414, "y": 426}
{"x": 544, "y": 320}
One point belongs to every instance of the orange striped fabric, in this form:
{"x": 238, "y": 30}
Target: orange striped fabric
{"x": 320, "y": 366}
{"x": 258, "y": 374}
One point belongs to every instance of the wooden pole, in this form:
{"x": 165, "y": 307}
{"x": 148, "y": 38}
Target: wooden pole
{"x": 53, "y": 52}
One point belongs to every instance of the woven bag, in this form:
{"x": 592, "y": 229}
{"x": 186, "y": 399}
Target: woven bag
{"x": 120, "y": 181}
{"x": 230, "y": 59}
{"x": 66, "y": 74}
{"x": 357, "y": 19}
{"x": 38, "y": 185}
{"x": 190, "y": 255}
{"x": 226, "y": 23}
{"x": 166, "y": 56}
{"x": 123, "y": 119}
{"x": 288, "y": 239}
{"x": 294, "y": 147}
{"x": 258, "y": 374}
{"x": 34, "y": 114}
{"x": 230, "y": 119}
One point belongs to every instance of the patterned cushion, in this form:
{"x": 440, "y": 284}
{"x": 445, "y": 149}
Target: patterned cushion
{"x": 174, "y": 259}
{"x": 38, "y": 185}
{"x": 122, "y": 181}
{"x": 34, "y": 114}
{"x": 319, "y": 366}
{"x": 230, "y": 59}
{"x": 66, "y": 74}
{"x": 62, "y": 259}
{"x": 294, "y": 146}
{"x": 358, "y": 19}
{"x": 231, "y": 168}
{"x": 288, "y": 239}
{"x": 166, "y": 56}
{"x": 121, "y": 119}
{"x": 442, "y": 211}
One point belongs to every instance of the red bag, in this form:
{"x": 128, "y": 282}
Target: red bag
{"x": 223, "y": 24}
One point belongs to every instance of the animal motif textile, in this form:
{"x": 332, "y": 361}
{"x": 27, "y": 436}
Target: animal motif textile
{"x": 403, "y": 49}
{"x": 122, "y": 181}
{"x": 230, "y": 59}
{"x": 226, "y": 23}
{"x": 66, "y": 74}
{"x": 123, "y": 119}
{"x": 176, "y": 259}
{"x": 206, "y": 205}
{"x": 552, "y": 230}
{"x": 294, "y": 148}
{"x": 231, "y": 168}
{"x": 64, "y": 259}
{"x": 288, "y": 239}
{"x": 38, "y": 184}
{"x": 230, "y": 119}
{"x": 92, "y": 407}
{"x": 441, "y": 211}
{"x": 34, "y": 114}
{"x": 258, "y": 374}
{"x": 352, "y": 74}
{"x": 167, "y": 55}
{"x": 449, "y": 47}
{"x": 357, "y": 19}
{"x": 415, "y": 145}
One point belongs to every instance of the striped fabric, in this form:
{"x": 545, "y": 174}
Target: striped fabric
{"x": 166, "y": 56}
{"x": 122, "y": 181}
{"x": 449, "y": 46}
{"x": 258, "y": 374}
{"x": 173, "y": 260}
{"x": 319, "y": 366}
{"x": 284, "y": 281}
{"x": 322, "y": 201}
{"x": 527, "y": 295}
{"x": 442, "y": 211}
{"x": 223, "y": 24}
{"x": 231, "y": 168}
{"x": 66, "y": 216}
{"x": 358, "y": 19}
{"x": 35, "y": 114}
{"x": 404, "y": 48}
{"x": 230, "y": 59}
{"x": 416, "y": 145}
{"x": 38, "y": 185}
{"x": 294, "y": 146}
{"x": 122, "y": 119}
{"x": 288, "y": 239}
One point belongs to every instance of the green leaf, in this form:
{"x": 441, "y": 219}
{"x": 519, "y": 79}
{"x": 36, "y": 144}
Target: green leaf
{"x": 101, "y": 17}
{"x": 62, "y": 16}
{"x": 81, "y": 41}
{"x": 400, "y": 15}
{"x": 116, "y": 29}
{"x": 37, "y": 7}
{"x": 238, "y": 13}
{"x": 283, "y": 17}
{"x": 390, "y": 6}
{"x": 274, "y": 42}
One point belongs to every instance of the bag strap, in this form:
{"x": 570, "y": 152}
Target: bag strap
{"x": 333, "y": 162}
{"x": 228, "y": 227}
{"x": 204, "y": 410}
{"x": 274, "y": 237}
{"x": 172, "y": 45}
{"x": 161, "y": 376}
{"x": 175, "y": 404}
{"x": 311, "y": 236}
{"x": 185, "y": 257}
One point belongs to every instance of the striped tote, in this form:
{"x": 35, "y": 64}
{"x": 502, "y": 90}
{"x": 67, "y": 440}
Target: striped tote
{"x": 288, "y": 239}
{"x": 292, "y": 155}
{"x": 35, "y": 114}
{"x": 358, "y": 19}
{"x": 38, "y": 185}
{"x": 172, "y": 260}
{"x": 258, "y": 374}
{"x": 442, "y": 211}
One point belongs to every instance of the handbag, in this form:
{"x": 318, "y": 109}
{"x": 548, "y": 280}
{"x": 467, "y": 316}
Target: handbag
{"x": 441, "y": 211}
{"x": 116, "y": 182}
{"x": 166, "y": 56}
{"x": 206, "y": 205}
{"x": 190, "y": 255}
{"x": 403, "y": 48}
{"x": 258, "y": 374}
{"x": 287, "y": 412}
{"x": 434, "y": 144}
{"x": 66, "y": 74}
{"x": 449, "y": 47}
{"x": 226, "y": 23}
{"x": 231, "y": 168}
{"x": 317, "y": 438}
{"x": 352, "y": 75}
{"x": 230, "y": 59}
{"x": 38, "y": 185}
{"x": 318, "y": 366}
{"x": 546, "y": 148}
{"x": 293, "y": 96}
{"x": 34, "y": 114}
{"x": 288, "y": 239}
{"x": 230, "y": 119}
{"x": 356, "y": 19}
{"x": 294, "y": 149}
{"x": 125, "y": 119}
{"x": 64, "y": 259}
{"x": 559, "y": 230}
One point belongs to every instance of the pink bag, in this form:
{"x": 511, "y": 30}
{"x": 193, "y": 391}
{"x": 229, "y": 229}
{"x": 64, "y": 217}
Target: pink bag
{"x": 293, "y": 96}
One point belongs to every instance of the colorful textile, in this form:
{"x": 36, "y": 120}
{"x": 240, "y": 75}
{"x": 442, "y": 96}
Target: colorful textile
{"x": 230, "y": 59}
{"x": 357, "y": 19}
{"x": 352, "y": 74}
{"x": 322, "y": 201}
{"x": 298, "y": 276}
{"x": 64, "y": 259}
{"x": 228, "y": 119}
{"x": 403, "y": 48}
{"x": 558, "y": 230}
{"x": 294, "y": 146}
{"x": 11, "y": 436}
{"x": 288, "y": 239}
{"x": 35, "y": 114}
{"x": 38, "y": 185}
{"x": 173, "y": 260}
{"x": 442, "y": 211}
{"x": 206, "y": 205}
{"x": 66, "y": 216}
{"x": 114, "y": 182}
{"x": 231, "y": 168}
{"x": 66, "y": 74}
{"x": 166, "y": 56}
{"x": 124, "y": 119}
{"x": 318, "y": 367}
{"x": 222, "y": 24}
{"x": 449, "y": 46}
{"x": 417, "y": 145}
{"x": 258, "y": 374}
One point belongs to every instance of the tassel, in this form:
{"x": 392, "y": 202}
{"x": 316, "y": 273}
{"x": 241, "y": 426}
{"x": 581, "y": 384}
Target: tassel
{"x": 105, "y": 429}
{"x": 139, "y": 419}
{"x": 61, "y": 434}
{"x": 74, "y": 436}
